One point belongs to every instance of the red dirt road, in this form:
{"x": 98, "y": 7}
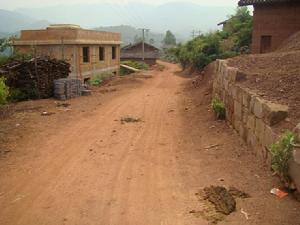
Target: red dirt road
{"x": 93, "y": 170}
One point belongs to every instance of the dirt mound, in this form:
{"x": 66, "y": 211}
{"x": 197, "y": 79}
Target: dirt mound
{"x": 217, "y": 202}
{"x": 275, "y": 77}
{"x": 221, "y": 198}
{"x": 291, "y": 44}
{"x": 237, "y": 193}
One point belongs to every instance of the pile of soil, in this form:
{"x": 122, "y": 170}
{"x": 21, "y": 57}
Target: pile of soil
{"x": 291, "y": 44}
{"x": 218, "y": 202}
{"x": 275, "y": 77}
{"x": 222, "y": 199}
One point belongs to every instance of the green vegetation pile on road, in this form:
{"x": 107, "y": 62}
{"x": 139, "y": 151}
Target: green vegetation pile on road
{"x": 134, "y": 64}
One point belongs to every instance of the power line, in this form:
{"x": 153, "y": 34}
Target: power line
{"x": 196, "y": 33}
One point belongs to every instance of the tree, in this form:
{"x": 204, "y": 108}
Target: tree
{"x": 137, "y": 39}
{"x": 208, "y": 47}
{"x": 239, "y": 28}
{"x": 152, "y": 41}
{"x": 4, "y": 44}
{"x": 169, "y": 39}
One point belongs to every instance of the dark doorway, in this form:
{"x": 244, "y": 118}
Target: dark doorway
{"x": 265, "y": 44}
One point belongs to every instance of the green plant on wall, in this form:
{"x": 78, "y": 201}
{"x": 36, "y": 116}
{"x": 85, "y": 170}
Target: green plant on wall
{"x": 219, "y": 108}
{"x": 281, "y": 153}
{"x": 4, "y": 91}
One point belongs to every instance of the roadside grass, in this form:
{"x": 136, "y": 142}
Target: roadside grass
{"x": 281, "y": 153}
{"x": 97, "y": 80}
{"x": 219, "y": 108}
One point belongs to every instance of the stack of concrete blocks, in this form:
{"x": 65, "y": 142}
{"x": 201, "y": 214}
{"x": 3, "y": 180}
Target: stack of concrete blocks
{"x": 67, "y": 88}
{"x": 251, "y": 116}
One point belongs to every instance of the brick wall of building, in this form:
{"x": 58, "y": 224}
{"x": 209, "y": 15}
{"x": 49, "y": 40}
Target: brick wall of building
{"x": 279, "y": 21}
{"x": 73, "y": 54}
{"x": 68, "y": 44}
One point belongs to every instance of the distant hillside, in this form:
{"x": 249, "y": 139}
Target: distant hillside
{"x": 4, "y": 35}
{"x": 129, "y": 33}
{"x": 12, "y": 22}
{"x": 181, "y": 18}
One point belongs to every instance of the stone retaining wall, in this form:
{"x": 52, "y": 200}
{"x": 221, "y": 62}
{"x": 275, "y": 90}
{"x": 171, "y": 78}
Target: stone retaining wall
{"x": 250, "y": 115}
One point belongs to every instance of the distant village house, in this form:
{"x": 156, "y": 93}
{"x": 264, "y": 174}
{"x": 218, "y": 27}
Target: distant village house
{"x": 89, "y": 52}
{"x": 273, "y": 22}
{"x": 134, "y": 52}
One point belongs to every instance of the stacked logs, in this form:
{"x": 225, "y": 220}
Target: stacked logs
{"x": 34, "y": 77}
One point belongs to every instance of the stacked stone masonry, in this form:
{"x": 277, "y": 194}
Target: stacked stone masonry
{"x": 250, "y": 115}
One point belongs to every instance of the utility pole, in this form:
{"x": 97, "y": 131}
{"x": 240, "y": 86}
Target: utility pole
{"x": 195, "y": 32}
{"x": 143, "y": 41}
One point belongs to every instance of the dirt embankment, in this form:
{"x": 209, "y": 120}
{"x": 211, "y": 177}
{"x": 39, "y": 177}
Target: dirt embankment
{"x": 291, "y": 44}
{"x": 275, "y": 77}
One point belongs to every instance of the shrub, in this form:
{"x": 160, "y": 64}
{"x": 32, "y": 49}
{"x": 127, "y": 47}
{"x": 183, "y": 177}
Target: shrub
{"x": 99, "y": 78}
{"x": 281, "y": 153}
{"x": 202, "y": 50}
{"x": 21, "y": 94}
{"x": 4, "y": 91}
{"x": 96, "y": 81}
{"x": 219, "y": 108}
{"x": 3, "y": 59}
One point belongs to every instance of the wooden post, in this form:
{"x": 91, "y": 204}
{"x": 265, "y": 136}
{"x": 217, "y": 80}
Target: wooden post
{"x": 62, "y": 49}
{"x": 143, "y": 44}
{"x": 36, "y": 72}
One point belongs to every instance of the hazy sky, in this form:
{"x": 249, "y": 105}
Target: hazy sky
{"x": 13, "y": 4}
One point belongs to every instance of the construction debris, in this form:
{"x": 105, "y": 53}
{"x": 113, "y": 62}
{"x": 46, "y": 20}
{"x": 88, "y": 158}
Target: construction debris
{"x": 279, "y": 193}
{"x": 245, "y": 214}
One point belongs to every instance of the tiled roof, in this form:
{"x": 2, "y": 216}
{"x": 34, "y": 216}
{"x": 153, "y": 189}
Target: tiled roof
{"x": 251, "y": 2}
{"x": 138, "y": 43}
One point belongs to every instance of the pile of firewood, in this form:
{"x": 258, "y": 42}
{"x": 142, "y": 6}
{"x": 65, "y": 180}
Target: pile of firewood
{"x": 34, "y": 78}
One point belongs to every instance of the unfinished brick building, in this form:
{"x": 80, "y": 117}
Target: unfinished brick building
{"x": 89, "y": 52}
{"x": 273, "y": 22}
